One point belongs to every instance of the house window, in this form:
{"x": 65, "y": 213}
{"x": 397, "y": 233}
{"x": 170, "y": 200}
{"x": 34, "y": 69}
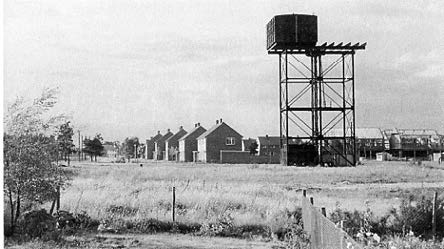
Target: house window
{"x": 231, "y": 141}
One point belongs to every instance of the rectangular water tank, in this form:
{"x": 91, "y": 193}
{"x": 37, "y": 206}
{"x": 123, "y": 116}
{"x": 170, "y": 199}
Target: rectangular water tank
{"x": 291, "y": 31}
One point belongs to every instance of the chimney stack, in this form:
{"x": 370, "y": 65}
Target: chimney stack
{"x": 195, "y": 125}
{"x": 198, "y": 124}
{"x": 158, "y": 132}
{"x": 181, "y": 127}
{"x": 221, "y": 121}
{"x": 168, "y": 130}
{"x": 217, "y": 121}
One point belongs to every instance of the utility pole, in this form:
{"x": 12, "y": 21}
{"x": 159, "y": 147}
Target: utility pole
{"x": 80, "y": 147}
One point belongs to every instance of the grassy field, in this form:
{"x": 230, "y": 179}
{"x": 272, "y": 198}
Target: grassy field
{"x": 248, "y": 194}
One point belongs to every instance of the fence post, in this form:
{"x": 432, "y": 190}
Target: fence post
{"x": 304, "y": 193}
{"x": 174, "y": 204}
{"x": 58, "y": 198}
{"x": 435, "y": 197}
{"x": 323, "y": 211}
{"x": 311, "y": 200}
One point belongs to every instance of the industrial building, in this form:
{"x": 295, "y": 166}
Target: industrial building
{"x": 370, "y": 141}
{"x": 414, "y": 143}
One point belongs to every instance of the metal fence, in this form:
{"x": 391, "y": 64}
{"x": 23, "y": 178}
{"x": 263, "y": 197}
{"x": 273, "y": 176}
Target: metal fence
{"x": 323, "y": 233}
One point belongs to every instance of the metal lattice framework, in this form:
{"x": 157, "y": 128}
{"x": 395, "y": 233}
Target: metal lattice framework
{"x": 317, "y": 101}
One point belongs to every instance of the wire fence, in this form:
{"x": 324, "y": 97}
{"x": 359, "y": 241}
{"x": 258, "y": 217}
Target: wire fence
{"x": 323, "y": 233}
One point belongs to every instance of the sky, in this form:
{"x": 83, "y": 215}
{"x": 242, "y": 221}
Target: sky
{"x": 133, "y": 67}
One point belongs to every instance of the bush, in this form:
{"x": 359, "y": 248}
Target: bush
{"x": 414, "y": 215}
{"x": 38, "y": 224}
{"x": 71, "y": 223}
{"x": 353, "y": 221}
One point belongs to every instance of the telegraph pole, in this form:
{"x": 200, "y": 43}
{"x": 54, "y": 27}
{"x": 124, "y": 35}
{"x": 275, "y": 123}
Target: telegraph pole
{"x": 80, "y": 147}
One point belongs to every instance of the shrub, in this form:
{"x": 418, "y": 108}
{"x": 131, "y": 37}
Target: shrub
{"x": 415, "y": 213}
{"x": 38, "y": 224}
{"x": 353, "y": 221}
{"x": 285, "y": 222}
{"x": 223, "y": 226}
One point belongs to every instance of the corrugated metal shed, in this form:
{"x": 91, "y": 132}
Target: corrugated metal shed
{"x": 369, "y": 133}
{"x": 418, "y": 132}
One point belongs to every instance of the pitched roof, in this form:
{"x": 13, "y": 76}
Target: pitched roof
{"x": 193, "y": 131}
{"x": 272, "y": 140}
{"x": 156, "y": 137}
{"x": 164, "y": 137}
{"x": 215, "y": 127}
{"x": 177, "y": 135}
{"x": 369, "y": 133}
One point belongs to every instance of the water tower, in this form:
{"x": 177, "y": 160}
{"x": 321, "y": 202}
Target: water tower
{"x": 316, "y": 93}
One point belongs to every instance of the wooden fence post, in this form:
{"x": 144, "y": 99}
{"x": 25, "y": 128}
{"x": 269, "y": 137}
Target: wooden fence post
{"x": 58, "y": 198}
{"x": 323, "y": 211}
{"x": 174, "y": 204}
{"x": 304, "y": 193}
{"x": 311, "y": 200}
{"x": 435, "y": 197}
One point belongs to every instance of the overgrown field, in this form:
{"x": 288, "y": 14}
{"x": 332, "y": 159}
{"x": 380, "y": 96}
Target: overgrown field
{"x": 245, "y": 195}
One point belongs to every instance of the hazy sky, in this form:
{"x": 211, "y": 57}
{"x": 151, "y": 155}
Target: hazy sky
{"x": 130, "y": 68}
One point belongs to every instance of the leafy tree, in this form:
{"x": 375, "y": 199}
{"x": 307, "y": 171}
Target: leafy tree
{"x": 253, "y": 148}
{"x": 30, "y": 174}
{"x": 128, "y": 146}
{"x": 65, "y": 141}
{"x": 94, "y": 147}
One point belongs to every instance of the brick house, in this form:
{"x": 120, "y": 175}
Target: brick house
{"x": 217, "y": 138}
{"x": 172, "y": 145}
{"x": 188, "y": 143}
{"x": 269, "y": 146}
{"x": 149, "y": 149}
{"x": 159, "y": 146}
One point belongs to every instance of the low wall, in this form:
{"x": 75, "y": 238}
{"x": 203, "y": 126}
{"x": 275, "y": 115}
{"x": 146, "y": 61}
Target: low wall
{"x": 231, "y": 156}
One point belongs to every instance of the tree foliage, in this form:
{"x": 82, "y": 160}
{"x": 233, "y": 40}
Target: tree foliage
{"x": 94, "y": 147}
{"x": 253, "y": 148}
{"x": 30, "y": 174}
{"x": 128, "y": 146}
{"x": 64, "y": 140}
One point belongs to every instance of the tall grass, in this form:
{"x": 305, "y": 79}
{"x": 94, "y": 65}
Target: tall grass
{"x": 249, "y": 194}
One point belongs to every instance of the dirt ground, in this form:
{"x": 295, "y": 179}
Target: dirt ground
{"x": 150, "y": 241}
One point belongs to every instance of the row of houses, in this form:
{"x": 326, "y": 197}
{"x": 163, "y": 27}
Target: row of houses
{"x": 220, "y": 143}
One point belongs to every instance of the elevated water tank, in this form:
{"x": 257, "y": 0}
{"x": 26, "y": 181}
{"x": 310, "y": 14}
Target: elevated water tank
{"x": 293, "y": 30}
